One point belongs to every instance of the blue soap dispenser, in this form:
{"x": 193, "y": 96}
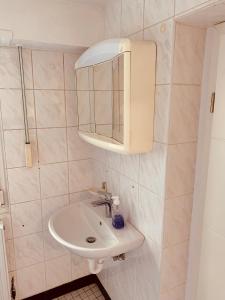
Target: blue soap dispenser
{"x": 117, "y": 217}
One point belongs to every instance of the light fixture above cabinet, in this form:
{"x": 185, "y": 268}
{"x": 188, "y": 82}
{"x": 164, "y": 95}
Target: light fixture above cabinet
{"x": 115, "y": 84}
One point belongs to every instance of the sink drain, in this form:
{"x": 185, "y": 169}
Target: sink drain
{"x": 90, "y": 239}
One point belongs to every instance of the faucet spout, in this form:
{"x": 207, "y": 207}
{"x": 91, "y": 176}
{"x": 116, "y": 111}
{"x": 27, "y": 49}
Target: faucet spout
{"x": 107, "y": 203}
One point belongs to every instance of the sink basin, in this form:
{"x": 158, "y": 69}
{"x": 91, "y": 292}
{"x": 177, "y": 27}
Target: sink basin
{"x": 86, "y": 231}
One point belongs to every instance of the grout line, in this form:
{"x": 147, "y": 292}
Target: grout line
{"x": 50, "y": 197}
{"x": 121, "y": 14}
{"x": 39, "y": 128}
{"x": 124, "y": 175}
{"x": 159, "y": 23}
{"x": 203, "y": 5}
{"x": 180, "y": 196}
{"x": 143, "y": 21}
{"x": 185, "y": 241}
{"x": 52, "y": 163}
{"x": 66, "y": 122}
{"x": 37, "y": 89}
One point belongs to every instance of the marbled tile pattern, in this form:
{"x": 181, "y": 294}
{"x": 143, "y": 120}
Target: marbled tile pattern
{"x": 90, "y": 292}
{"x": 60, "y": 165}
{"x": 156, "y": 188}
{"x": 63, "y": 168}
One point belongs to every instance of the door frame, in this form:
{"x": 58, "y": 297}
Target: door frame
{"x": 203, "y": 148}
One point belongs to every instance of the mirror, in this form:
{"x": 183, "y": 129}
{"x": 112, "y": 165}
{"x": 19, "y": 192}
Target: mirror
{"x": 100, "y": 98}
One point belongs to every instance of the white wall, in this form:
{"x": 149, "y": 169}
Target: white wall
{"x": 212, "y": 263}
{"x": 204, "y": 133}
{"x": 58, "y": 22}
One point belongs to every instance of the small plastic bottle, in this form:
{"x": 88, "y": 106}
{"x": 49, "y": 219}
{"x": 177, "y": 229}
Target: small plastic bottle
{"x": 117, "y": 216}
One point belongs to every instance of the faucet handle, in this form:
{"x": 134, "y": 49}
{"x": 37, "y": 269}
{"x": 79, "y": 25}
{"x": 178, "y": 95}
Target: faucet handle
{"x": 102, "y": 190}
{"x": 101, "y": 193}
{"x": 95, "y": 191}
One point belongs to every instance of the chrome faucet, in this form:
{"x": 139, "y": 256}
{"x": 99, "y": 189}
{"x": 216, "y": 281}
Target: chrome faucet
{"x": 105, "y": 199}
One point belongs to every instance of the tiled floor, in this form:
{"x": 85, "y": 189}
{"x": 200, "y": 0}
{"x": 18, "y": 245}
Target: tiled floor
{"x": 90, "y": 292}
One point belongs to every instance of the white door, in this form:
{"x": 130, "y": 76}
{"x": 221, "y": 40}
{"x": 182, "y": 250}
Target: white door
{"x": 211, "y": 280}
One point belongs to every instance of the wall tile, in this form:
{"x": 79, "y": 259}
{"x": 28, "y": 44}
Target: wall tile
{"x": 129, "y": 166}
{"x": 50, "y": 206}
{"x": 147, "y": 285}
{"x": 137, "y": 36}
{"x": 29, "y": 250}
{"x": 99, "y": 173}
{"x": 99, "y": 154}
{"x": 54, "y": 179}
{"x": 121, "y": 288}
{"x": 30, "y": 280}
{"x": 79, "y": 267}
{"x": 184, "y": 5}
{"x": 69, "y": 72}
{"x": 129, "y": 199}
{"x": 26, "y": 218}
{"x": 12, "y": 109}
{"x": 15, "y": 148}
{"x": 174, "y": 266}
{"x": 184, "y": 113}
{"x": 50, "y": 108}
{"x": 157, "y": 11}
{"x": 113, "y": 182}
{"x": 188, "y": 52}
{"x": 177, "y": 293}
{"x": 150, "y": 215}
{"x": 163, "y": 35}
{"x": 152, "y": 169}
{"x": 71, "y": 108}
{"x": 58, "y": 271}
{"x": 52, "y": 248}
{"x": 77, "y": 148}
{"x": 112, "y": 19}
{"x": 113, "y": 160}
{"x": 177, "y": 220}
{"x": 80, "y": 177}
{"x": 27, "y": 68}
{"x": 48, "y": 69}
{"x": 23, "y": 184}
{"x": 52, "y": 145}
{"x": 9, "y": 68}
{"x": 79, "y": 196}
{"x": 10, "y": 255}
{"x": 131, "y": 16}
{"x": 180, "y": 169}
{"x": 162, "y": 113}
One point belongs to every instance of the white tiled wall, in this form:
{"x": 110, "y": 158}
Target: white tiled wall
{"x": 156, "y": 188}
{"x": 61, "y": 168}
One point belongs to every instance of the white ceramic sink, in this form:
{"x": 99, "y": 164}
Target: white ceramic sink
{"x": 72, "y": 225}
